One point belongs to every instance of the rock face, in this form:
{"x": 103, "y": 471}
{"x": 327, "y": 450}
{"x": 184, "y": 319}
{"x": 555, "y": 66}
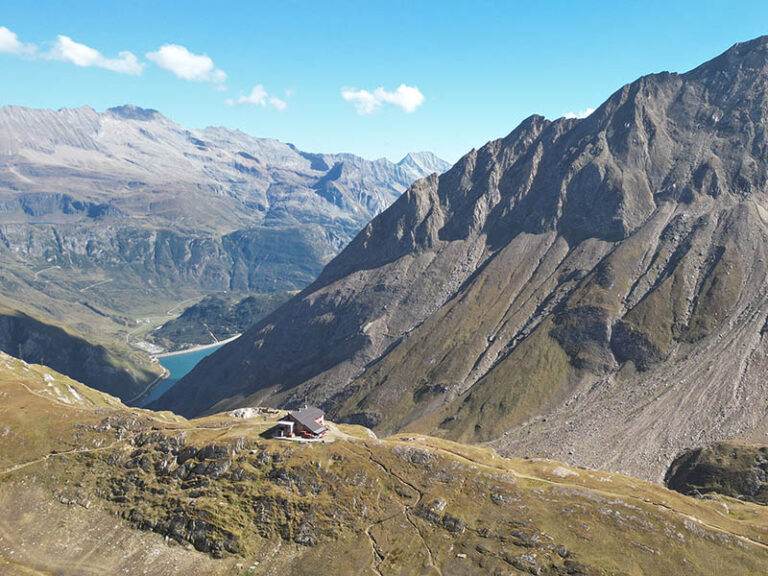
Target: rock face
{"x": 592, "y": 290}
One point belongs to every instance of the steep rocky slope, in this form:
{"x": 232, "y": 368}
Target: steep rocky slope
{"x": 109, "y": 218}
{"x": 88, "y": 486}
{"x": 592, "y": 290}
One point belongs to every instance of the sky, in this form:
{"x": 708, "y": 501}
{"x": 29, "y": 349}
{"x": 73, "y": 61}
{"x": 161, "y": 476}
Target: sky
{"x": 372, "y": 78}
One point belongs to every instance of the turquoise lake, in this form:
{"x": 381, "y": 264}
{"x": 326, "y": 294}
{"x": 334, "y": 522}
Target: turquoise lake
{"x": 179, "y": 366}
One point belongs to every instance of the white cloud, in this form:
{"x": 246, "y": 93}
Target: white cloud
{"x": 364, "y": 101}
{"x": 582, "y": 114}
{"x": 406, "y": 97}
{"x": 259, "y": 97}
{"x": 277, "y": 103}
{"x": 9, "y": 43}
{"x": 186, "y": 65}
{"x": 68, "y": 50}
{"x": 409, "y": 98}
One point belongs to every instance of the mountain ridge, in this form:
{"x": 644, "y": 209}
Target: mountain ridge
{"x": 571, "y": 267}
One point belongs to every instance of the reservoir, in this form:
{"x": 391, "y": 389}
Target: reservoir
{"x": 179, "y": 365}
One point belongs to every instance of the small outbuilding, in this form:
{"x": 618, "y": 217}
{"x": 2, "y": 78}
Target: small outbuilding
{"x": 308, "y": 422}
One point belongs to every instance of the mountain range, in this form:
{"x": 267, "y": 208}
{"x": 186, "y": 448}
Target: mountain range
{"x": 592, "y": 290}
{"x": 113, "y": 218}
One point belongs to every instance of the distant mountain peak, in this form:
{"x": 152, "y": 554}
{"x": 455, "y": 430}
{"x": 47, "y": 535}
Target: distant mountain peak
{"x": 133, "y": 112}
{"x": 425, "y": 162}
{"x": 418, "y": 156}
{"x": 75, "y": 163}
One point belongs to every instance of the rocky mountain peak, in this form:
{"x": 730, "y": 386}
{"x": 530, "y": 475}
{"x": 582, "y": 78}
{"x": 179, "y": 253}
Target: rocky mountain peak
{"x": 426, "y": 162}
{"x": 586, "y": 266}
{"x": 743, "y": 58}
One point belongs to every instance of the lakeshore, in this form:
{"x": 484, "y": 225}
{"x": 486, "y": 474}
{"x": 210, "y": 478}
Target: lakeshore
{"x": 179, "y": 364}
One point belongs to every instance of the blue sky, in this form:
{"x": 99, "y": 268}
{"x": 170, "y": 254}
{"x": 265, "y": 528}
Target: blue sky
{"x": 471, "y": 71}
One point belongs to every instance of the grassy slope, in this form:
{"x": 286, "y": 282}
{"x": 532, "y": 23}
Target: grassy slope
{"x": 113, "y": 367}
{"x": 72, "y": 458}
{"x": 55, "y": 300}
{"x": 732, "y": 468}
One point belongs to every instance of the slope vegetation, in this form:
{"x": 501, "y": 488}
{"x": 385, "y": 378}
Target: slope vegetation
{"x": 88, "y": 486}
{"x": 117, "y": 371}
{"x": 735, "y": 469}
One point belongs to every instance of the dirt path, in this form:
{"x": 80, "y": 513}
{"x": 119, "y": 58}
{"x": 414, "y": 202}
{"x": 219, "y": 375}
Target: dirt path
{"x": 37, "y": 274}
{"x": 607, "y": 494}
{"x": 376, "y": 553}
{"x": 406, "y": 511}
{"x": 57, "y": 455}
{"x": 96, "y": 284}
